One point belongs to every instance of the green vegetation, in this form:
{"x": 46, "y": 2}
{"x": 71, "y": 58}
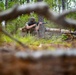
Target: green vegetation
{"x": 36, "y": 43}
{"x": 14, "y": 25}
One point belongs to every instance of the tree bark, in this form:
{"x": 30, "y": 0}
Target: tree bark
{"x": 6, "y": 6}
{"x": 38, "y": 63}
{"x": 28, "y": 1}
{"x": 63, "y": 4}
{"x": 41, "y": 32}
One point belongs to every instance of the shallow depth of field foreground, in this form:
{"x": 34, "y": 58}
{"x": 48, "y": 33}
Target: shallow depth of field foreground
{"x": 37, "y": 37}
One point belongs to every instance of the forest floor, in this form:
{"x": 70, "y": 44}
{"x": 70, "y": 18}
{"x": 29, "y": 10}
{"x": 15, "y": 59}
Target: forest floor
{"x": 41, "y": 44}
{"x": 52, "y": 41}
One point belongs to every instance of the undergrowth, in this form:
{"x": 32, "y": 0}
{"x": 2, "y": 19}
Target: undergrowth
{"x": 35, "y": 42}
{"x": 32, "y": 40}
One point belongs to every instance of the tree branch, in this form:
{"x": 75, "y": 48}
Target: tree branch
{"x": 67, "y": 12}
{"x": 9, "y": 35}
{"x": 40, "y": 8}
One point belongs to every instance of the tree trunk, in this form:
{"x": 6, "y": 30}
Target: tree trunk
{"x": 41, "y": 32}
{"x": 28, "y": 1}
{"x": 6, "y": 4}
{"x": 63, "y": 4}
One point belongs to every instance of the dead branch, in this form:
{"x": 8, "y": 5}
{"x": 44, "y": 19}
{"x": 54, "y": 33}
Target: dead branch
{"x": 40, "y": 54}
{"x": 6, "y": 33}
{"x": 67, "y": 12}
{"x": 16, "y": 11}
{"x": 39, "y": 8}
{"x": 8, "y": 14}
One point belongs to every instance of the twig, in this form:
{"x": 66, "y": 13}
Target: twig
{"x": 9, "y": 35}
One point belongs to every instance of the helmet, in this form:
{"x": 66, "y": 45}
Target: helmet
{"x": 32, "y": 19}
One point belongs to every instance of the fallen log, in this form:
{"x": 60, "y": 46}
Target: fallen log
{"x": 59, "y": 62}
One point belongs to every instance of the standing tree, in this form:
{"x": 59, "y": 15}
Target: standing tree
{"x": 41, "y": 32}
{"x": 63, "y": 4}
{"x": 5, "y": 7}
{"x": 28, "y": 1}
{"x": 6, "y": 4}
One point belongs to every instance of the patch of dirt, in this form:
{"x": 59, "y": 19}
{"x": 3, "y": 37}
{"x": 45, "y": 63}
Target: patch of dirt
{"x": 65, "y": 45}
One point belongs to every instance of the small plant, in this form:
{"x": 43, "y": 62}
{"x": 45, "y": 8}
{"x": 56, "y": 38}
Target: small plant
{"x": 64, "y": 37}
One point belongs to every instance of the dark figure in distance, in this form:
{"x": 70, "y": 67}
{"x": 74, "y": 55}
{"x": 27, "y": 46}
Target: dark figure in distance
{"x": 31, "y": 26}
